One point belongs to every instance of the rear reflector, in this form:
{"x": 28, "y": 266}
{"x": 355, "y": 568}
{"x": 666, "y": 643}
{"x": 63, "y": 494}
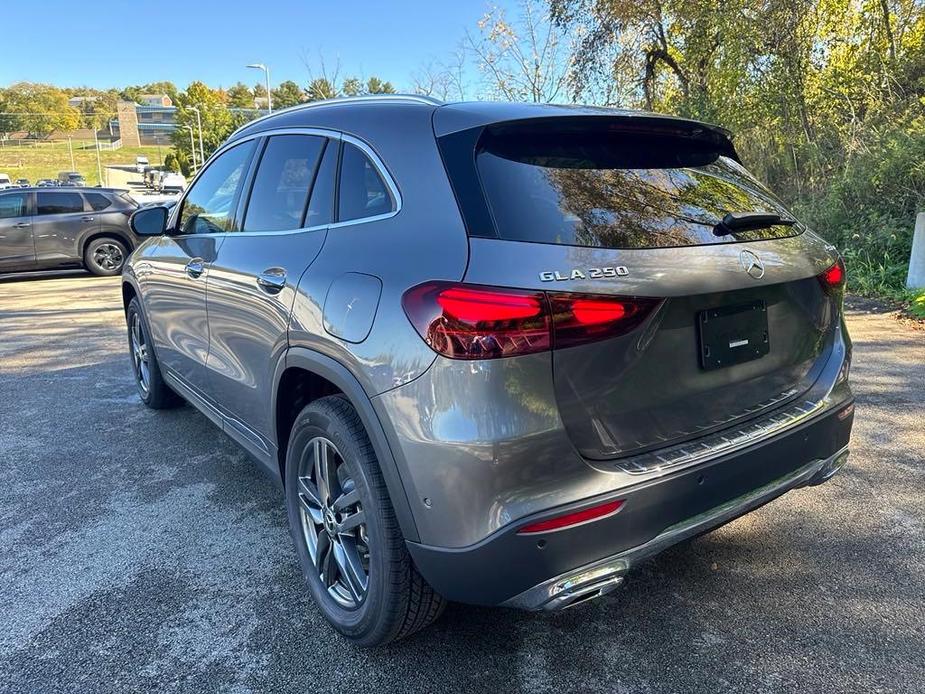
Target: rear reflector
{"x": 463, "y": 321}
{"x": 570, "y": 520}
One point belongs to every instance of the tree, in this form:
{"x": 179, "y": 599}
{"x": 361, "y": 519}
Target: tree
{"x": 529, "y": 58}
{"x": 320, "y": 88}
{"x": 374, "y": 85}
{"x": 217, "y": 123}
{"x": 239, "y": 95}
{"x": 287, "y": 94}
{"x": 38, "y": 109}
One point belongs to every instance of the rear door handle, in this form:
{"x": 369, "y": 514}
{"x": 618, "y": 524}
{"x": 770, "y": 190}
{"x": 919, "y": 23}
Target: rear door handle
{"x": 272, "y": 280}
{"x": 195, "y": 268}
{"x": 86, "y": 219}
{"x": 22, "y": 225}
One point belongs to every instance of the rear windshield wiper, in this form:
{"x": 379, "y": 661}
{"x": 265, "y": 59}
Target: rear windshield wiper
{"x": 735, "y": 222}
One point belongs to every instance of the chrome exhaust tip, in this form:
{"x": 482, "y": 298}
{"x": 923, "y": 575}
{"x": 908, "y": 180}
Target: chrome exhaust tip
{"x": 829, "y": 468}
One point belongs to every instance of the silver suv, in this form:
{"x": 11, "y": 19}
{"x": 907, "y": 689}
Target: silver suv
{"x": 494, "y": 353}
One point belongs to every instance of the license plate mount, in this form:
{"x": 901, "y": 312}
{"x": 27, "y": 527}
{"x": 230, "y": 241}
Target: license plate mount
{"x": 731, "y": 335}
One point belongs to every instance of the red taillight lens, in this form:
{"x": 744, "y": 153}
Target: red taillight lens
{"x": 834, "y": 278}
{"x": 463, "y": 321}
{"x": 473, "y": 322}
{"x": 581, "y": 318}
{"x": 572, "y": 519}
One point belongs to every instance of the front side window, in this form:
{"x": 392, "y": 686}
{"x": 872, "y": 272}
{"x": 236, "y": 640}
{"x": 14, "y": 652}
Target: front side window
{"x": 209, "y": 206}
{"x": 58, "y": 203}
{"x": 281, "y": 186}
{"x": 362, "y": 192}
{"x": 13, "y": 205}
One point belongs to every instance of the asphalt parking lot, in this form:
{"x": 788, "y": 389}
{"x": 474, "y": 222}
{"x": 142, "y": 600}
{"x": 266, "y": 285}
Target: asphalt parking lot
{"x": 143, "y": 551}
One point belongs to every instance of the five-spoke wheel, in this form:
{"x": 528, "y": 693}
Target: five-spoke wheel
{"x": 334, "y": 523}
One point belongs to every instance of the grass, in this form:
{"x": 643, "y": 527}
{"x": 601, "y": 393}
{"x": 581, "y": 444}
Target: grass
{"x": 916, "y": 305}
{"x": 45, "y": 160}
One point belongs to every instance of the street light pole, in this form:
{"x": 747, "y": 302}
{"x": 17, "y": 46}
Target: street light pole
{"x": 266, "y": 72}
{"x": 202, "y": 154}
{"x": 99, "y": 164}
{"x": 192, "y": 144}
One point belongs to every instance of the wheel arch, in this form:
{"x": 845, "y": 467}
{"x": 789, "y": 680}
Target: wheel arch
{"x": 326, "y": 376}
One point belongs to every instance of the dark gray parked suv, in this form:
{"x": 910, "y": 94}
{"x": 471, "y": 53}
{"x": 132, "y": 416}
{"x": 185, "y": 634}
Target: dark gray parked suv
{"x": 495, "y": 353}
{"x": 49, "y": 228}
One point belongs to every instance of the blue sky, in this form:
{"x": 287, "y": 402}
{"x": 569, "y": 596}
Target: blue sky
{"x": 68, "y": 43}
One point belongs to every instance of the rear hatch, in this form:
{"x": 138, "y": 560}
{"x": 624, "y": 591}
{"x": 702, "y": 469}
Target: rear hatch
{"x": 730, "y": 317}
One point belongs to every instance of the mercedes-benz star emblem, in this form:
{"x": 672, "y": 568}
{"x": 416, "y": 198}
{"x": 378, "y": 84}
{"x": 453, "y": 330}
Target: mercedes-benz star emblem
{"x": 752, "y": 264}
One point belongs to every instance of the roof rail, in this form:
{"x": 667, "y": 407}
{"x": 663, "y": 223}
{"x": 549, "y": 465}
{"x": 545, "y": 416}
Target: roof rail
{"x": 337, "y": 101}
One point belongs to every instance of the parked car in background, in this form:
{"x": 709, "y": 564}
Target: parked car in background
{"x": 22, "y": 182}
{"x": 5, "y": 181}
{"x": 45, "y": 183}
{"x": 141, "y": 163}
{"x": 172, "y": 183}
{"x": 46, "y": 228}
{"x": 495, "y": 353}
{"x": 71, "y": 178}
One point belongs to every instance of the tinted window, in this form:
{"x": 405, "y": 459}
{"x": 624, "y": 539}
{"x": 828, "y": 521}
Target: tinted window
{"x": 617, "y": 191}
{"x": 59, "y": 203}
{"x": 98, "y": 201}
{"x": 321, "y": 205}
{"x": 362, "y": 192}
{"x": 13, "y": 205}
{"x": 284, "y": 176}
{"x": 209, "y": 205}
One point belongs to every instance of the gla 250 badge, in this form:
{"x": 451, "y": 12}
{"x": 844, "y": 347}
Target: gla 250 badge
{"x": 592, "y": 273}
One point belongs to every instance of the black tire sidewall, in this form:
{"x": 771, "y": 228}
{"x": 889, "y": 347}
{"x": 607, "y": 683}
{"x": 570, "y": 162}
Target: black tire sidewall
{"x": 319, "y": 419}
{"x": 93, "y": 267}
{"x": 159, "y": 393}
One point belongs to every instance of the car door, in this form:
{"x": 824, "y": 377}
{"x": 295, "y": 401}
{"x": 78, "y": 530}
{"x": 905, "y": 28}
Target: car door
{"x": 61, "y": 220}
{"x": 256, "y": 272}
{"x": 17, "y": 249}
{"x": 174, "y": 287}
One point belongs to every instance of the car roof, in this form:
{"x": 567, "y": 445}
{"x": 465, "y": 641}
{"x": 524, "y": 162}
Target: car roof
{"x": 450, "y": 117}
{"x": 69, "y": 189}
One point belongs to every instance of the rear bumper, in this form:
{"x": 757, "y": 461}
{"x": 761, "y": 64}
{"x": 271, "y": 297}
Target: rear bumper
{"x": 558, "y": 569}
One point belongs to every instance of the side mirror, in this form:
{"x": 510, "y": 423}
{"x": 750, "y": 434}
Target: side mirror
{"x": 149, "y": 221}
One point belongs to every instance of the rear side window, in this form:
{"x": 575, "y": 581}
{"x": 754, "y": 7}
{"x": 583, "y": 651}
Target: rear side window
{"x": 98, "y": 201}
{"x": 209, "y": 206}
{"x": 284, "y": 178}
{"x": 13, "y": 205}
{"x": 606, "y": 188}
{"x": 362, "y": 192}
{"x": 58, "y": 203}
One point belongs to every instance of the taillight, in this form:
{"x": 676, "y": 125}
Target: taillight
{"x": 473, "y": 322}
{"x": 570, "y": 520}
{"x": 833, "y": 279}
{"x": 580, "y": 318}
{"x": 464, "y": 321}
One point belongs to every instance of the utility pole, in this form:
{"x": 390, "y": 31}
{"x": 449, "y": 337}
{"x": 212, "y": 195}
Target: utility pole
{"x": 70, "y": 150}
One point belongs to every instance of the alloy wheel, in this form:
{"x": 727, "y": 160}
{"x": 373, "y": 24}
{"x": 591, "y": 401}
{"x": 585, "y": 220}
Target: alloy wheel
{"x": 333, "y": 523}
{"x": 108, "y": 256}
{"x": 140, "y": 355}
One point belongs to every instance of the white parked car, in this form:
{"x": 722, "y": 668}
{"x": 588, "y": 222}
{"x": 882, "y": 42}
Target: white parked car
{"x": 173, "y": 183}
{"x": 141, "y": 163}
{"x": 5, "y": 181}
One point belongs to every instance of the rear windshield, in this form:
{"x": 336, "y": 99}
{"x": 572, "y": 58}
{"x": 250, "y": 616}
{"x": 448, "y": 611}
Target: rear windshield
{"x": 617, "y": 190}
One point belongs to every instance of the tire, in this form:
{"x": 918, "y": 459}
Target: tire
{"x": 105, "y": 256}
{"x": 149, "y": 382}
{"x": 395, "y": 601}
